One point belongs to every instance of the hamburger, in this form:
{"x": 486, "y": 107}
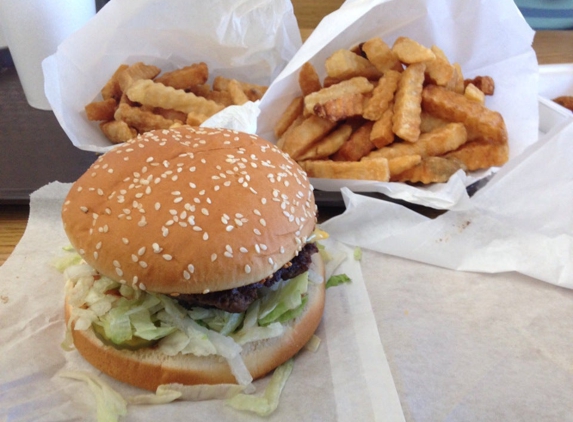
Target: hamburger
{"x": 198, "y": 259}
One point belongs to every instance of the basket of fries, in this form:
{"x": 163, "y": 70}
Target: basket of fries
{"x": 152, "y": 64}
{"x": 407, "y": 97}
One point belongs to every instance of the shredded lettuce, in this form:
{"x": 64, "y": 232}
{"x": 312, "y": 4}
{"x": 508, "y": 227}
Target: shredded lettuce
{"x": 286, "y": 297}
{"x": 131, "y": 318}
{"x": 337, "y": 280}
{"x": 267, "y": 403}
{"x": 110, "y": 404}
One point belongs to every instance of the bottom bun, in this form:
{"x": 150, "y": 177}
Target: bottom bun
{"x": 148, "y": 368}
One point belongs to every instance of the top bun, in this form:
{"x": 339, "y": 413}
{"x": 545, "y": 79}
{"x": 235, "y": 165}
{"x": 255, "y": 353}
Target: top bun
{"x": 190, "y": 210}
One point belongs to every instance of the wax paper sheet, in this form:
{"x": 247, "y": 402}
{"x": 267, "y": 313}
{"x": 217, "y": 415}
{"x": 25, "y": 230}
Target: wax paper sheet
{"x": 466, "y": 346}
{"x": 347, "y": 379}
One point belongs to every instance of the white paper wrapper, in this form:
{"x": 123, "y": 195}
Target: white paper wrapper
{"x": 468, "y": 346}
{"x": 486, "y": 38}
{"x": 347, "y": 379}
{"x": 520, "y": 221}
{"x": 250, "y": 40}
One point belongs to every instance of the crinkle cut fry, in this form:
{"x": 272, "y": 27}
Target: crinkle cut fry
{"x": 454, "y": 107}
{"x": 481, "y": 154}
{"x": 429, "y": 170}
{"x": 360, "y": 170}
{"x": 438, "y": 142}
{"x": 407, "y": 103}
{"x": 146, "y": 91}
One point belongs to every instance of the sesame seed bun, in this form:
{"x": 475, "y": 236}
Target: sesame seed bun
{"x": 148, "y": 368}
{"x": 190, "y": 210}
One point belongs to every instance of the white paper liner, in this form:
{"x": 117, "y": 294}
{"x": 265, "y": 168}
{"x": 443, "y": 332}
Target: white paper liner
{"x": 520, "y": 221}
{"x": 486, "y": 38}
{"x": 347, "y": 377}
{"x": 249, "y": 40}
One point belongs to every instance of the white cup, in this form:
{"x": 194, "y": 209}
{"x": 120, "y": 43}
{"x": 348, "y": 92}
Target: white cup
{"x": 33, "y": 29}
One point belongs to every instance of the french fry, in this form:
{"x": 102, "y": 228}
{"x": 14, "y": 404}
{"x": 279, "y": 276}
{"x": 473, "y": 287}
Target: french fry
{"x": 303, "y": 136}
{"x": 565, "y": 101}
{"x": 147, "y": 92}
{"x": 381, "y": 55}
{"x": 170, "y": 114}
{"x": 439, "y": 71}
{"x": 472, "y": 93}
{"x": 287, "y": 133}
{"x": 238, "y": 96}
{"x": 407, "y": 103}
{"x": 438, "y": 142}
{"x": 101, "y": 110}
{"x": 382, "y": 95}
{"x": 456, "y": 83}
{"x": 111, "y": 89}
{"x": 381, "y": 134}
{"x": 340, "y": 108}
{"x": 360, "y": 170}
{"x": 481, "y": 154}
{"x": 308, "y": 79}
{"x": 484, "y": 83}
{"x": 136, "y": 72}
{"x": 117, "y": 131}
{"x": 409, "y": 51}
{"x": 288, "y": 116}
{"x": 402, "y": 163}
{"x": 195, "y": 119}
{"x": 357, "y": 146}
{"x": 357, "y": 85}
{"x": 454, "y": 107}
{"x": 429, "y": 170}
{"x": 329, "y": 144}
{"x": 141, "y": 120}
{"x": 253, "y": 92}
{"x": 186, "y": 77}
{"x": 344, "y": 64}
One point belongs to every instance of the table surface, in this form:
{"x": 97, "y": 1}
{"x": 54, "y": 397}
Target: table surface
{"x": 550, "y": 47}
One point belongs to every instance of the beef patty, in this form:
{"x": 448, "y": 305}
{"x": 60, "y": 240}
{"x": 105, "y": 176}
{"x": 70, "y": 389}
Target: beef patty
{"x": 238, "y": 299}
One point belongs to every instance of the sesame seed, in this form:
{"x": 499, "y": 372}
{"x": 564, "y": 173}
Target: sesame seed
{"x": 229, "y": 228}
{"x": 134, "y": 258}
{"x": 167, "y": 257}
{"x": 213, "y": 257}
{"x": 84, "y": 209}
{"x": 125, "y": 240}
{"x": 186, "y": 275}
{"x": 142, "y": 286}
{"x": 191, "y": 268}
{"x": 243, "y": 249}
{"x": 205, "y": 236}
{"x": 143, "y": 264}
{"x": 248, "y": 269}
{"x": 119, "y": 272}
